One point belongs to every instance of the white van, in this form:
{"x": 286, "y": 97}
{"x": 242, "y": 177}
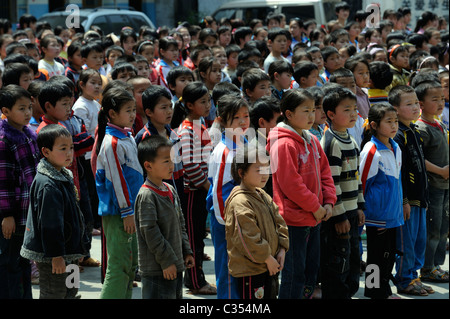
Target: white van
{"x": 320, "y": 10}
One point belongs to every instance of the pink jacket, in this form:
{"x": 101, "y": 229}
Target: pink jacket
{"x": 301, "y": 175}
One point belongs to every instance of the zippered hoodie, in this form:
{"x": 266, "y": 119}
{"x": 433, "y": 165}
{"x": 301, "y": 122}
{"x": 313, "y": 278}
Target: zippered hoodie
{"x": 301, "y": 175}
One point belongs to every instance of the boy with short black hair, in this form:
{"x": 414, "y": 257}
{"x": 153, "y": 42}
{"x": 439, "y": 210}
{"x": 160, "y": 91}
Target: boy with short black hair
{"x": 232, "y": 52}
{"x": 339, "y": 38}
{"x": 53, "y": 207}
{"x": 411, "y": 236}
{"x": 280, "y": 73}
{"x": 345, "y": 78}
{"x": 340, "y": 235}
{"x": 277, "y": 40}
{"x": 242, "y": 35}
{"x": 56, "y": 102}
{"x": 380, "y": 77}
{"x": 19, "y": 74}
{"x": 306, "y": 74}
{"x": 158, "y": 110}
{"x": 123, "y": 71}
{"x": 331, "y": 60}
{"x": 163, "y": 245}
{"x": 197, "y": 53}
{"x": 111, "y": 54}
{"x": 342, "y": 10}
{"x": 19, "y": 156}
{"x": 255, "y": 84}
{"x": 177, "y": 79}
{"x": 142, "y": 66}
{"x": 92, "y": 56}
{"x": 435, "y": 148}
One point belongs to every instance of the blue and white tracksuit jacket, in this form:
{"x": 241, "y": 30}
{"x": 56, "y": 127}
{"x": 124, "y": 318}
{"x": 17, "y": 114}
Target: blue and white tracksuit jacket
{"x": 119, "y": 175}
{"x": 382, "y": 184}
{"x": 219, "y": 175}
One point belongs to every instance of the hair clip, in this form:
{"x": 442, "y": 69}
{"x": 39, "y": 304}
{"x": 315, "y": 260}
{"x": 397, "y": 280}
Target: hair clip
{"x": 113, "y": 102}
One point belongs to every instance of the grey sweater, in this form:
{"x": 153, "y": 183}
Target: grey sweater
{"x": 160, "y": 228}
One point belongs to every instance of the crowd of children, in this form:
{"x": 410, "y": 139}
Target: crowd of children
{"x": 284, "y": 139}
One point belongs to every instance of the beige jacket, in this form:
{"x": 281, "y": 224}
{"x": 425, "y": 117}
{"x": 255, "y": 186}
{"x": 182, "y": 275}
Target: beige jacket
{"x": 254, "y": 230}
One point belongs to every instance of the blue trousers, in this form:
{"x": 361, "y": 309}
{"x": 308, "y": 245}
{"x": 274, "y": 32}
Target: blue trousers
{"x": 411, "y": 240}
{"x": 227, "y": 287}
{"x": 301, "y": 265}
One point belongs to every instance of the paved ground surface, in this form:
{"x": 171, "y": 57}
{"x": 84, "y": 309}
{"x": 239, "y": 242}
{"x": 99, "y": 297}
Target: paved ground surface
{"x": 90, "y": 285}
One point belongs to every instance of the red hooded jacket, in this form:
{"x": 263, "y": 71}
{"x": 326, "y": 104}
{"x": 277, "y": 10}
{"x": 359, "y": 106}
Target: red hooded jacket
{"x": 301, "y": 175}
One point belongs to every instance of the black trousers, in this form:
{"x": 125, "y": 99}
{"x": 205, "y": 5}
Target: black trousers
{"x": 195, "y": 213}
{"x": 340, "y": 260}
{"x": 262, "y": 286}
{"x": 381, "y": 250}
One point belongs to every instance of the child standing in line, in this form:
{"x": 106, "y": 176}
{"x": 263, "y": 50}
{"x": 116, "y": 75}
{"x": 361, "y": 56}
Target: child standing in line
{"x": 435, "y": 142}
{"x": 54, "y": 235}
{"x": 264, "y": 116}
{"x": 380, "y": 78}
{"x": 332, "y": 61}
{"x": 168, "y": 52}
{"x": 111, "y": 54}
{"x": 146, "y": 48}
{"x": 233, "y": 117}
{"x": 278, "y": 41}
{"x": 399, "y": 63}
{"x": 159, "y": 112}
{"x": 256, "y": 234}
{"x": 381, "y": 161}
{"x": 140, "y": 84}
{"x": 86, "y": 107}
{"x": 195, "y": 145}
{"x": 280, "y": 73}
{"x": 177, "y": 79}
{"x": 303, "y": 189}
{"x": 320, "y": 117}
{"x": 50, "y": 50}
{"x": 19, "y": 157}
{"x": 118, "y": 179}
{"x": 164, "y": 250}
{"x": 209, "y": 72}
{"x": 360, "y": 68}
{"x": 74, "y": 65}
{"x": 340, "y": 265}
{"x": 411, "y": 237}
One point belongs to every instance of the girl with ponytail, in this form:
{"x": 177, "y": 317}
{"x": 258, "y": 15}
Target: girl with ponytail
{"x": 118, "y": 177}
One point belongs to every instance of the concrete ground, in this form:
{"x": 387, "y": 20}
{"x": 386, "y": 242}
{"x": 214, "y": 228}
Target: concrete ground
{"x": 90, "y": 285}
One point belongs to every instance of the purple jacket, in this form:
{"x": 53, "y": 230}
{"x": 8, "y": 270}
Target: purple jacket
{"x": 19, "y": 156}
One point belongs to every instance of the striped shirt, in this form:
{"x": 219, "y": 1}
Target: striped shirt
{"x": 343, "y": 155}
{"x": 195, "y": 151}
{"x": 377, "y": 96}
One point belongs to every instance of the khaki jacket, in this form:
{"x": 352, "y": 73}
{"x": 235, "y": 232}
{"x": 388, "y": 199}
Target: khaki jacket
{"x": 254, "y": 230}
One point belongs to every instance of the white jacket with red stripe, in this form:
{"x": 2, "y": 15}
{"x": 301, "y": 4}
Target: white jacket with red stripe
{"x": 382, "y": 184}
{"x": 119, "y": 175}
